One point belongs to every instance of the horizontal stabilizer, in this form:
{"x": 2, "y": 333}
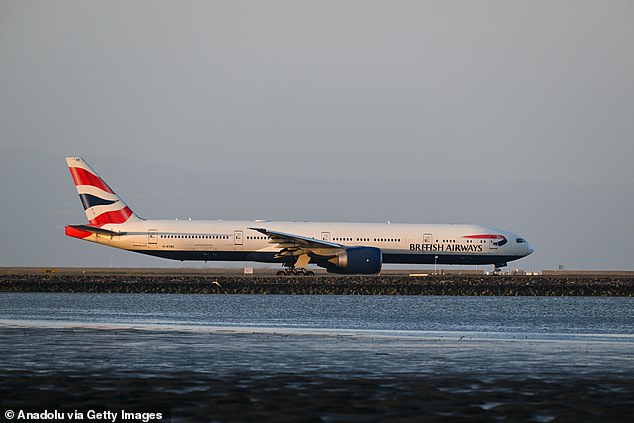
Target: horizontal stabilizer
{"x": 93, "y": 230}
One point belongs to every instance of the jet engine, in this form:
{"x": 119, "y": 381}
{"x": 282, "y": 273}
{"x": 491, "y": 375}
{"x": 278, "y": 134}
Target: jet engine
{"x": 356, "y": 260}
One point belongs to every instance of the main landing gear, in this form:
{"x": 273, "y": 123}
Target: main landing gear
{"x": 297, "y": 268}
{"x": 295, "y": 271}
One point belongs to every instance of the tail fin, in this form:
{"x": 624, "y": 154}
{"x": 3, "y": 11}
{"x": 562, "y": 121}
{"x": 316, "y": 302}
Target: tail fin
{"x": 101, "y": 204}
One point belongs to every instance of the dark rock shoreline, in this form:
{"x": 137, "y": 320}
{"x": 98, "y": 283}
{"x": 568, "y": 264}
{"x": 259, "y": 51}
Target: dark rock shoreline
{"x": 480, "y": 285}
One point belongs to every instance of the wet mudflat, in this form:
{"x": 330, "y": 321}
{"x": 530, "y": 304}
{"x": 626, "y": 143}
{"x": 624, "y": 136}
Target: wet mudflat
{"x": 323, "y": 284}
{"x": 222, "y": 375}
{"x": 228, "y": 375}
{"x": 320, "y": 358}
{"x": 252, "y": 396}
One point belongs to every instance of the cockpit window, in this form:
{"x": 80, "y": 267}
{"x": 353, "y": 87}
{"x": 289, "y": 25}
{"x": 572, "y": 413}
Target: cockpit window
{"x": 520, "y": 240}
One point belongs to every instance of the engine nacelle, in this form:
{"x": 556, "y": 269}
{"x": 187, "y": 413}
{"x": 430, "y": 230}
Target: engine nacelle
{"x": 356, "y": 260}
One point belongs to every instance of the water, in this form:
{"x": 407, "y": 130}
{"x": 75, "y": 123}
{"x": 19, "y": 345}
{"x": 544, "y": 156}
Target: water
{"x": 503, "y": 344}
{"x": 343, "y": 332}
{"x": 535, "y": 318}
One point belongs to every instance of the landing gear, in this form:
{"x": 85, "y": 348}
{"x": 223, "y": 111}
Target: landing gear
{"x": 496, "y": 268}
{"x": 295, "y": 271}
{"x": 296, "y": 268}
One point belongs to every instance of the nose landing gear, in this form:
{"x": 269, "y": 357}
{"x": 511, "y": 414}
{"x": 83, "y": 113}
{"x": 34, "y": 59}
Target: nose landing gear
{"x": 496, "y": 268}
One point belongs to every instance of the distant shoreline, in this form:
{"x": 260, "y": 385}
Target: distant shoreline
{"x": 201, "y": 282}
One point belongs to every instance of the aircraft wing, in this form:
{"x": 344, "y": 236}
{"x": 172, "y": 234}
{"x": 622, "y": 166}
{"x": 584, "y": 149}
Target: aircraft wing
{"x": 297, "y": 245}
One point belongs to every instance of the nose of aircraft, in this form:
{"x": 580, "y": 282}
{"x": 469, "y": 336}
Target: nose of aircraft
{"x": 529, "y": 249}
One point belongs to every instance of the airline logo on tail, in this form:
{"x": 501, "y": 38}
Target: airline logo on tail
{"x": 101, "y": 204}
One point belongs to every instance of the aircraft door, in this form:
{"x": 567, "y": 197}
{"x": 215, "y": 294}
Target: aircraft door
{"x": 325, "y": 236}
{"x": 237, "y": 238}
{"x": 427, "y": 238}
{"x": 152, "y": 237}
{"x": 493, "y": 243}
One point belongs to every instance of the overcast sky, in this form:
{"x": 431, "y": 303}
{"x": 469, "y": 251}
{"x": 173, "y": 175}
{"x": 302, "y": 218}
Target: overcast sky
{"x": 518, "y": 115}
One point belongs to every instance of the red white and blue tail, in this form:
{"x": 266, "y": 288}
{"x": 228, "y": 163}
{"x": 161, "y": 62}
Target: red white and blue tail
{"x": 101, "y": 204}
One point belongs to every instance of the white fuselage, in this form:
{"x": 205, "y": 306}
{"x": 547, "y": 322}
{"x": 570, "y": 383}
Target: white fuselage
{"x": 237, "y": 241}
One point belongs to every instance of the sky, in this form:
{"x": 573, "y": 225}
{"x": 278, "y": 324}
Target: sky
{"x": 511, "y": 114}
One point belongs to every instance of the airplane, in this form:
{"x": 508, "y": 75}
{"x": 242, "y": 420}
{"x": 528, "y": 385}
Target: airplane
{"x": 347, "y": 248}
